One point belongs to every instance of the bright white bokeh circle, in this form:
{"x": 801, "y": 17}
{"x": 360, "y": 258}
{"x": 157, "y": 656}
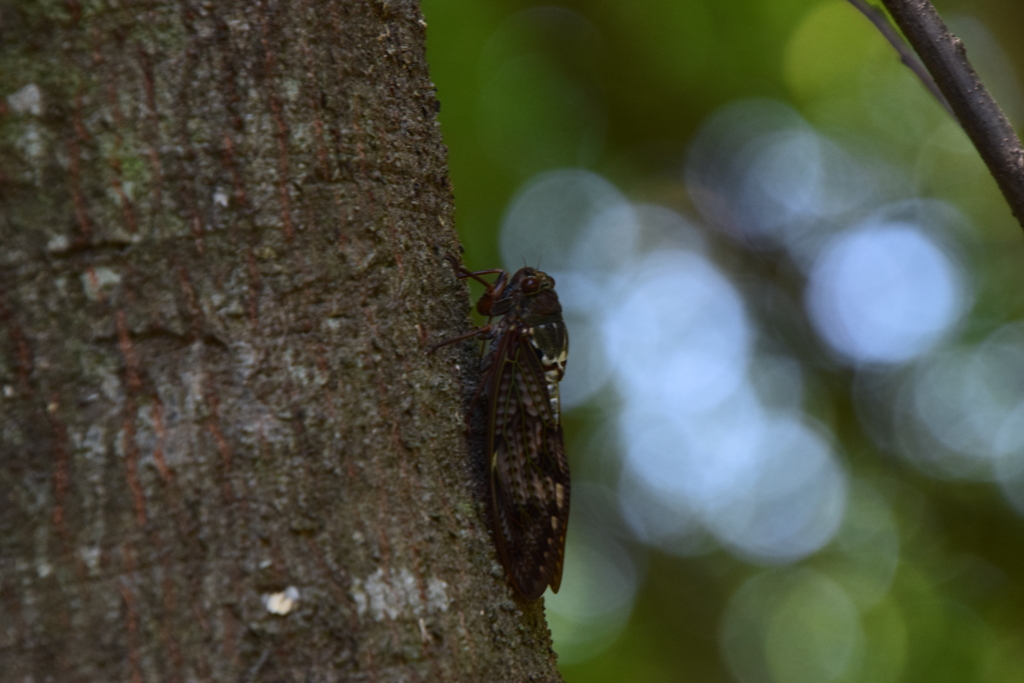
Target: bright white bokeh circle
{"x": 884, "y": 293}
{"x": 680, "y": 334}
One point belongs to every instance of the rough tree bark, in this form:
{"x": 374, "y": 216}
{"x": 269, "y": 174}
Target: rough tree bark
{"x": 224, "y": 454}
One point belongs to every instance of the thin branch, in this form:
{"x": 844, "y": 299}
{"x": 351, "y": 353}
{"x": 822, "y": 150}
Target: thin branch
{"x": 984, "y": 122}
{"x": 906, "y": 53}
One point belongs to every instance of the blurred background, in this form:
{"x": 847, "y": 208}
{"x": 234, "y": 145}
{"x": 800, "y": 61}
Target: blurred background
{"x": 795, "y": 298}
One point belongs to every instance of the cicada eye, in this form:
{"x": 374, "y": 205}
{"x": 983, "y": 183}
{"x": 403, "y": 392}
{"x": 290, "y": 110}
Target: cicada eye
{"x": 530, "y": 285}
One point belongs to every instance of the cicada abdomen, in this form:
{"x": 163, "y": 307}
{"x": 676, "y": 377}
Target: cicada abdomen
{"x": 528, "y": 470}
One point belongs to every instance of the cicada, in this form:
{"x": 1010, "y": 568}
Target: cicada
{"x": 528, "y": 472}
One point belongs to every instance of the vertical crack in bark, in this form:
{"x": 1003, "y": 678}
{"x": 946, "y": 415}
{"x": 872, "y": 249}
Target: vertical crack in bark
{"x": 75, "y": 177}
{"x": 61, "y": 472}
{"x": 281, "y": 134}
{"x": 133, "y": 384}
{"x": 128, "y": 594}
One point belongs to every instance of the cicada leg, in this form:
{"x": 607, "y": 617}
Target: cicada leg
{"x": 484, "y": 332}
{"x": 494, "y": 290}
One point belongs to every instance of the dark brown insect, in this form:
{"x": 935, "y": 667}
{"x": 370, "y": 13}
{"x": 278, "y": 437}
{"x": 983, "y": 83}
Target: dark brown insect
{"x": 529, "y": 474}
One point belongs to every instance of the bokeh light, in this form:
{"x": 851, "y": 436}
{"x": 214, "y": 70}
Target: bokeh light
{"x": 679, "y": 338}
{"x": 797, "y": 626}
{"x": 884, "y": 293}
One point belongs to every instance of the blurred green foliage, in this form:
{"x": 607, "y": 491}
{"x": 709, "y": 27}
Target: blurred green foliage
{"x": 621, "y": 88}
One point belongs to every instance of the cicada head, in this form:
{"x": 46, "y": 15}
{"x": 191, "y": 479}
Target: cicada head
{"x": 529, "y": 292}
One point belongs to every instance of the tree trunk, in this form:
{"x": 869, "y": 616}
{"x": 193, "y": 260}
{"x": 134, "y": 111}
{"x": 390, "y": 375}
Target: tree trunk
{"x": 224, "y": 452}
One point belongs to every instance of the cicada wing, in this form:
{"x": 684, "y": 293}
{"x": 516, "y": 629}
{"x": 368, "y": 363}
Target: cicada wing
{"x": 529, "y": 473}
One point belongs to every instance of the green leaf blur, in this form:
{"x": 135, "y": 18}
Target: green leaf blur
{"x": 923, "y": 580}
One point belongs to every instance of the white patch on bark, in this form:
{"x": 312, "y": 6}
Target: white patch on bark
{"x": 437, "y": 595}
{"x": 99, "y": 279}
{"x": 247, "y": 357}
{"x": 281, "y": 603}
{"x": 28, "y": 100}
{"x": 58, "y": 244}
{"x": 110, "y": 385}
{"x": 31, "y": 142}
{"x": 127, "y": 187}
{"x": 392, "y": 596}
{"x": 91, "y": 556}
